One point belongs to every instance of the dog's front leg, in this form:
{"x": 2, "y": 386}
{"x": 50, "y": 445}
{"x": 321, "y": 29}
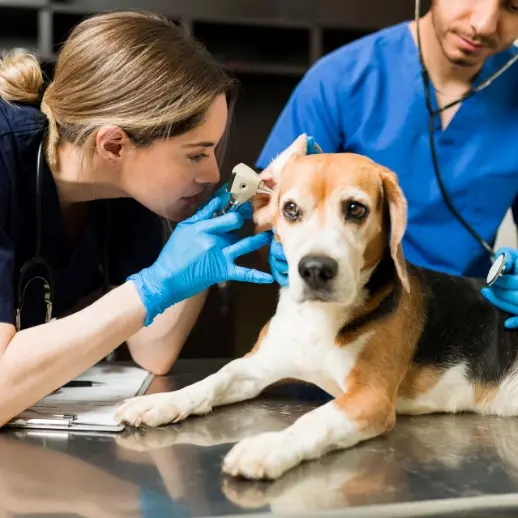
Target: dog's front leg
{"x": 239, "y": 380}
{"x": 356, "y": 416}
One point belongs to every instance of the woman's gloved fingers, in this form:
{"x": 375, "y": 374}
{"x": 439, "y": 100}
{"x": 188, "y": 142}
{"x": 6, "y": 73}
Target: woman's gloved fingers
{"x": 508, "y": 296}
{"x": 277, "y": 251}
{"x": 504, "y": 306}
{"x": 242, "y": 274}
{"x": 228, "y": 239}
{"x": 511, "y": 263}
{"x": 279, "y": 265}
{"x": 280, "y": 278}
{"x": 312, "y": 148}
{"x": 222, "y": 224}
{"x": 205, "y": 212}
{"x": 511, "y": 323}
{"x": 246, "y": 210}
{"x": 507, "y": 282}
{"x": 247, "y": 245}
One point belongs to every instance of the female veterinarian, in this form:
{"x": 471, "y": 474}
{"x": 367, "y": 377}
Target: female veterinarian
{"x": 90, "y": 166}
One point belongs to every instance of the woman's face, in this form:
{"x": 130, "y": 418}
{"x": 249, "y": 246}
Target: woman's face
{"x": 171, "y": 177}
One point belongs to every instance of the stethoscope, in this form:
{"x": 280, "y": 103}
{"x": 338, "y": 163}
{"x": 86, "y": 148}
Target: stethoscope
{"x": 37, "y": 260}
{"x": 503, "y": 261}
{"x": 45, "y": 274}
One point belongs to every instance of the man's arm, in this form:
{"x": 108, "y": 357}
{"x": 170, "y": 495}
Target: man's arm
{"x": 156, "y": 347}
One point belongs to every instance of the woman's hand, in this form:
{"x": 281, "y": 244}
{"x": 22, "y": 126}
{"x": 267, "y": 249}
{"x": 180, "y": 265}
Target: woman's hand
{"x": 200, "y": 253}
{"x": 504, "y": 292}
{"x": 278, "y": 263}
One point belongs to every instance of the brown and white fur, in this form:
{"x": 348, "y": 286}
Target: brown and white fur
{"x": 357, "y": 320}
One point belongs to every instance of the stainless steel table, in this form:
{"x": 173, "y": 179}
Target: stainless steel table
{"x": 428, "y": 466}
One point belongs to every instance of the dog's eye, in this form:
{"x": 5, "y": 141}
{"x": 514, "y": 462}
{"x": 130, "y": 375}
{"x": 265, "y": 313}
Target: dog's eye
{"x": 291, "y": 211}
{"x": 355, "y": 211}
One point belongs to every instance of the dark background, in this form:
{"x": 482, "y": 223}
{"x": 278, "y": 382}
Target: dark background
{"x": 269, "y": 44}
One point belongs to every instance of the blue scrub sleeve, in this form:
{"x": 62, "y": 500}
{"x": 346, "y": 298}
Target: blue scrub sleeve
{"x": 315, "y": 108}
{"x": 6, "y": 245}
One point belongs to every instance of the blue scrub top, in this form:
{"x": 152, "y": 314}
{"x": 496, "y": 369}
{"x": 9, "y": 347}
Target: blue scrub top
{"x": 367, "y": 97}
{"x": 131, "y": 235}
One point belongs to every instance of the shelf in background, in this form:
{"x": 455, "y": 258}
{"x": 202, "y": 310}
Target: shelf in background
{"x": 333, "y": 39}
{"x": 271, "y": 37}
{"x": 14, "y": 34}
{"x": 272, "y": 69}
{"x": 255, "y": 46}
{"x": 366, "y": 15}
{"x": 15, "y": 4}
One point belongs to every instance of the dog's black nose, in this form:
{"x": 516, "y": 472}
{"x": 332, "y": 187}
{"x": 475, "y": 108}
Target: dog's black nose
{"x": 317, "y": 270}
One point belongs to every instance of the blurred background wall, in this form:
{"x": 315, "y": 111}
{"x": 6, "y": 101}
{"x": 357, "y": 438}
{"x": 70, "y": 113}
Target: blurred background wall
{"x": 269, "y": 44}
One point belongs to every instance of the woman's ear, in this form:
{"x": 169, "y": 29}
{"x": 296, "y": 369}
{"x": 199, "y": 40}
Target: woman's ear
{"x": 111, "y": 142}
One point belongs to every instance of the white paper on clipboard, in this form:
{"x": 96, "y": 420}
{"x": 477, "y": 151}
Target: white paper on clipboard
{"x": 87, "y": 408}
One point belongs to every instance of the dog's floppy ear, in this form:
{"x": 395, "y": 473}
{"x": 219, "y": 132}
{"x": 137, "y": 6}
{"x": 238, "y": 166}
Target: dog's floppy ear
{"x": 264, "y": 205}
{"x": 397, "y": 209}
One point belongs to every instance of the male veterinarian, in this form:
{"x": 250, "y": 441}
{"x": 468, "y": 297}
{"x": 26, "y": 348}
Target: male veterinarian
{"x": 368, "y": 97}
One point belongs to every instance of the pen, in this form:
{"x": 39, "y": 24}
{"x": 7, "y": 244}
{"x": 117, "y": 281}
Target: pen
{"x": 81, "y": 383}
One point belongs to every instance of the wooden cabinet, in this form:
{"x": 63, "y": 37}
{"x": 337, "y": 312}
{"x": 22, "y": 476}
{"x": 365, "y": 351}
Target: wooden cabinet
{"x": 366, "y": 14}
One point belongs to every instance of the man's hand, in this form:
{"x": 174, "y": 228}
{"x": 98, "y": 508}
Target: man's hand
{"x": 504, "y": 292}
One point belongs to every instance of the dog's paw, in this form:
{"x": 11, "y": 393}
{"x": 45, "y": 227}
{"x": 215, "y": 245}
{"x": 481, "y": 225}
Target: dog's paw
{"x": 243, "y": 493}
{"x": 153, "y": 410}
{"x": 146, "y": 440}
{"x": 266, "y": 456}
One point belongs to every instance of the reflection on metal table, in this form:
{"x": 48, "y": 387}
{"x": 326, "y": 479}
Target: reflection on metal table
{"x": 440, "y": 465}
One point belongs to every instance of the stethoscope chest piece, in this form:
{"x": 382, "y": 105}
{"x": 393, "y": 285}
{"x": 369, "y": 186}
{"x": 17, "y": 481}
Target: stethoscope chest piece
{"x": 497, "y": 270}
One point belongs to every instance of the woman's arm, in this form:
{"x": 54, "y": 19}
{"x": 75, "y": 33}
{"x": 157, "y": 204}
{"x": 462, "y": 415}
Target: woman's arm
{"x": 156, "y": 347}
{"x": 38, "y": 360}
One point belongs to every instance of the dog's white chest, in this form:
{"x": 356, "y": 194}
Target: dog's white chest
{"x": 304, "y": 338}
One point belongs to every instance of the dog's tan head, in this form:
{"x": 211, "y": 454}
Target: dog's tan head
{"x": 336, "y": 215}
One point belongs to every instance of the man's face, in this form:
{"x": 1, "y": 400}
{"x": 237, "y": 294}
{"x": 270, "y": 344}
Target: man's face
{"x": 469, "y": 31}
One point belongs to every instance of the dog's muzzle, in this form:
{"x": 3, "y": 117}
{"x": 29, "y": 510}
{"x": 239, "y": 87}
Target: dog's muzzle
{"x": 318, "y": 272}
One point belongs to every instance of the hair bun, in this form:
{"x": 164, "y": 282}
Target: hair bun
{"x": 20, "y": 76}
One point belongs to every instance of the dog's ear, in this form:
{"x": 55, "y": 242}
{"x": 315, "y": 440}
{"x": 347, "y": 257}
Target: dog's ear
{"x": 397, "y": 209}
{"x": 264, "y": 205}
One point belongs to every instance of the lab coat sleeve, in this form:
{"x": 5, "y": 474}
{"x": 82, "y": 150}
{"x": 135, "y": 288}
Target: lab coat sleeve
{"x": 6, "y": 246}
{"x": 315, "y": 108}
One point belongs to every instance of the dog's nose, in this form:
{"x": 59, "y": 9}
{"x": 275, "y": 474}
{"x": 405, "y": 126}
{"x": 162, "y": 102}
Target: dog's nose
{"x": 317, "y": 270}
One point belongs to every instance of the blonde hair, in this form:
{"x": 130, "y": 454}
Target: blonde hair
{"x": 132, "y": 69}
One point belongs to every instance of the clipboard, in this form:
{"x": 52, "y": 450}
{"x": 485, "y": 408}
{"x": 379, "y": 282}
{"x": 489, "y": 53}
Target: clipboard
{"x": 87, "y": 409}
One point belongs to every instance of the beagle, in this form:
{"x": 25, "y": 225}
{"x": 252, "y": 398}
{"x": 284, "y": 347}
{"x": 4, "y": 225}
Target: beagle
{"x": 381, "y": 336}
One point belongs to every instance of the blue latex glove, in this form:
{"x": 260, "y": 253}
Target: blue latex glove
{"x": 276, "y": 258}
{"x": 245, "y": 209}
{"x": 278, "y": 263}
{"x": 504, "y": 292}
{"x": 198, "y": 254}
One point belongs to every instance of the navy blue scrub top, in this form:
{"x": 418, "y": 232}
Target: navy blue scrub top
{"x": 131, "y": 235}
{"x": 367, "y": 97}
